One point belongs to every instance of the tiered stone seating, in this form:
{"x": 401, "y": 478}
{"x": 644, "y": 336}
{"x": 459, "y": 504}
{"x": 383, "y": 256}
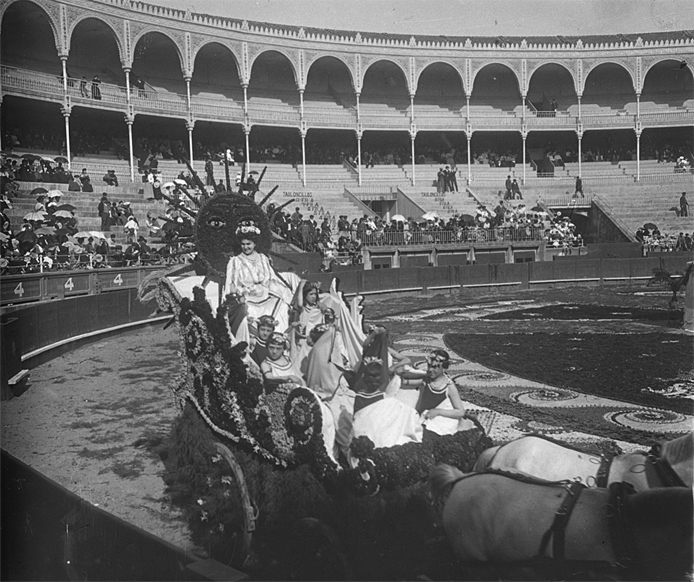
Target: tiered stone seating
{"x": 329, "y": 176}
{"x": 86, "y": 204}
{"x": 445, "y": 204}
{"x": 632, "y": 204}
{"x": 385, "y": 174}
{"x": 319, "y": 202}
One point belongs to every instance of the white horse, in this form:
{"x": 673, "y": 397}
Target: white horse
{"x": 507, "y": 518}
{"x": 667, "y": 464}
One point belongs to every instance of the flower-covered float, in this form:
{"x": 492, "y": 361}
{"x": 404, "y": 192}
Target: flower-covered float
{"x": 248, "y": 461}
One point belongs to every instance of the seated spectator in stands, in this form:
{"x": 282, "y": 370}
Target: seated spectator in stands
{"x": 220, "y": 187}
{"x": 86, "y": 181}
{"x": 132, "y": 254}
{"x": 101, "y": 247}
{"x": 131, "y": 227}
{"x": 110, "y": 178}
{"x": 73, "y": 185}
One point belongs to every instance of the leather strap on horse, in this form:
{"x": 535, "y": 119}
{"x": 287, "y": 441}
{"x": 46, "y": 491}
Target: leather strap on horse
{"x": 623, "y": 543}
{"x": 561, "y": 519}
{"x": 665, "y": 471}
{"x": 603, "y": 473}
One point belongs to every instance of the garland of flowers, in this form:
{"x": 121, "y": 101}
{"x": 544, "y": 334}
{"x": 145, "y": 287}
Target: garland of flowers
{"x": 400, "y": 466}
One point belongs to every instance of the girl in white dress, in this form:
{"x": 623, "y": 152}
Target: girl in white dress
{"x": 439, "y": 403}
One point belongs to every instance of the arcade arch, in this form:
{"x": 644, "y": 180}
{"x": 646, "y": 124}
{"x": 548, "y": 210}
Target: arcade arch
{"x": 440, "y": 87}
{"x": 552, "y": 82}
{"x": 495, "y": 91}
{"x": 157, "y": 61}
{"x": 329, "y": 79}
{"x": 667, "y": 83}
{"x": 216, "y": 73}
{"x": 272, "y": 81}
{"x": 608, "y": 88}
{"x": 84, "y": 61}
{"x": 385, "y": 84}
{"x": 27, "y": 39}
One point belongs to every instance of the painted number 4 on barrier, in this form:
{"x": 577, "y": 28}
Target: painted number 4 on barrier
{"x": 118, "y": 280}
{"x": 69, "y": 285}
{"x": 19, "y": 290}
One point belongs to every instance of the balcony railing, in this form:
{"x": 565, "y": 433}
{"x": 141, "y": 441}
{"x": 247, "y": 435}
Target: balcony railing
{"x": 452, "y": 237}
{"x": 49, "y": 87}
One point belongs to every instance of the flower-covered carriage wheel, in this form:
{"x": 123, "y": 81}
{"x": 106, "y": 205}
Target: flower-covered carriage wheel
{"x": 250, "y": 464}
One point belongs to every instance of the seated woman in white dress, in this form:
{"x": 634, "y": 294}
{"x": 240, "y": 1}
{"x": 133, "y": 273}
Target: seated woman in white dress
{"x": 251, "y": 275}
{"x": 439, "y": 403}
{"x": 385, "y": 420}
{"x": 278, "y": 370}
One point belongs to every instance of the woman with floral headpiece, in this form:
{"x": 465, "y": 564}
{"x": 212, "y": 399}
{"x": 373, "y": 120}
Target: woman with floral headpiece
{"x": 377, "y": 415}
{"x": 441, "y": 409}
{"x": 279, "y": 370}
{"x": 251, "y": 275}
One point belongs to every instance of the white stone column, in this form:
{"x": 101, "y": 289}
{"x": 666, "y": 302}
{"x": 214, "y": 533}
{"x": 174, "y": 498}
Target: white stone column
{"x": 63, "y": 61}
{"x": 190, "y": 124}
{"x": 579, "y": 133}
{"x": 127, "y": 70}
{"x": 468, "y": 134}
{"x": 247, "y": 133}
{"x": 638, "y": 129}
{"x": 524, "y": 135}
{"x": 359, "y": 134}
{"x": 413, "y": 135}
{"x": 66, "y": 110}
{"x": 129, "y": 120}
{"x": 303, "y": 154}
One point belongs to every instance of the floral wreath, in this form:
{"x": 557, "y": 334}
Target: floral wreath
{"x": 267, "y": 320}
{"x": 372, "y": 360}
{"x": 278, "y": 339}
{"x": 435, "y": 358}
{"x": 247, "y": 227}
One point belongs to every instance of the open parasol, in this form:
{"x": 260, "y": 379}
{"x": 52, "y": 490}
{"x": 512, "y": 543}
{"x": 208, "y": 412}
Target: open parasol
{"x": 432, "y": 215}
{"x": 68, "y": 207}
{"x": 45, "y": 230}
{"x": 62, "y": 159}
{"x": 649, "y": 226}
{"x": 37, "y": 191}
{"x": 398, "y": 218}
{"x": 34, "y": 216}
{"x": 63, "y": 213}
{"x": 54, "y": 193}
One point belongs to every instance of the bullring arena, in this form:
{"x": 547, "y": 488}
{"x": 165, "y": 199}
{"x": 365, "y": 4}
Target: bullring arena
{"x": 514, "y": 196}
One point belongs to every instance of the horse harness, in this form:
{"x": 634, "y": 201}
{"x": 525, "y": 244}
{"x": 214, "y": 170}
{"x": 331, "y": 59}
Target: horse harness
{"x": 603, "y": 473}
{"x": 665, "y": 472}
{"x": 557, "y": 530}
{"x": 621, "y": 536}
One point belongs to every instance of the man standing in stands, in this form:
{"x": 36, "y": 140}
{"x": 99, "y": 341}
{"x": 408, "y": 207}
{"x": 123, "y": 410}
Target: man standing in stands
{"x": 105, "y": 213}
{"x": 453, "y": 180}
{"x": 509, "y": 186}
{"x": 579, "y": 187}
{"x": 684, "y": 205}
{"x": 209, "y": 171}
